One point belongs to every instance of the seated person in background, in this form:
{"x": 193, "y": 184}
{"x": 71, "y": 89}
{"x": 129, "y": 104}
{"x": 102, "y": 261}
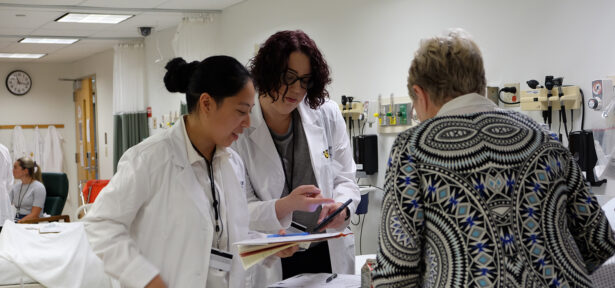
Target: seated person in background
{"x": 28, "y": 197}
{"x": 477, "y": 196}
{"x": 6, "y": 183}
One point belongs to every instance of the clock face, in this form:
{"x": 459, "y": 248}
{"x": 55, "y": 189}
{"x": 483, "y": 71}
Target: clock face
{"x": 18, "y": 82}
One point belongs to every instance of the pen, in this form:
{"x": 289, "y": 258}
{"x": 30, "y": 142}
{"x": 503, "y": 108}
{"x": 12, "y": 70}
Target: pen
{"x": 331, "y": 277}
{"x": 289, "y": 234}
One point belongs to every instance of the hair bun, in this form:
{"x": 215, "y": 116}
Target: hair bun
{"x": 178, "y": 74}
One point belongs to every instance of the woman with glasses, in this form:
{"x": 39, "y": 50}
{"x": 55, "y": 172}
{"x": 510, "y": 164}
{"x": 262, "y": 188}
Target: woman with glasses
{"x": 297, "y": 155}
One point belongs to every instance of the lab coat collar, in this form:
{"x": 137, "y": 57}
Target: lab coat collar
{"x": 186, "y": 176}
{"x": 259, "y": 133}
{"x": 193, "y": 155}
{"x": 467, "y": 104}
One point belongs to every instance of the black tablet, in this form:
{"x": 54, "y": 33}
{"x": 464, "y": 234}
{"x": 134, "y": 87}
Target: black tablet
{"x": 332, "y": 216}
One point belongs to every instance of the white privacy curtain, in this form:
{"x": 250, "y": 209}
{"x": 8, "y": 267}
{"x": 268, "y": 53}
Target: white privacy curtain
{"x": 129, "y": 104}
{"x": 129, "y": 78}
{"x": 195, "y": 38}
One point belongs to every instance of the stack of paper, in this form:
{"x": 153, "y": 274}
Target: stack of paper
{"x": 253, "y": 251}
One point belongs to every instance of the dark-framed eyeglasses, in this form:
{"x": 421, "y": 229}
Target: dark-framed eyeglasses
{"x": 290, "y": 77}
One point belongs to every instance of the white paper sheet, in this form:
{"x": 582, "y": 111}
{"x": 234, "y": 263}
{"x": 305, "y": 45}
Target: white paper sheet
{"x": 320, "y": 280}
{"x": 301, "y": 238}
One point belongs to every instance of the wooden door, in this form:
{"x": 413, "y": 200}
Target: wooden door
{"x": 85, "y": 115}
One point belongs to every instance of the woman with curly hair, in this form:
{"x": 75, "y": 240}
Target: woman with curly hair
{"x": 297, "y": 154}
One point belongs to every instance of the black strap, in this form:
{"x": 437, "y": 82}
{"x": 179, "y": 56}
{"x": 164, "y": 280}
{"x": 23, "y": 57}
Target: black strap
{"x": 20, "y": 198}
{"x": 215, "y": 203}
{"x": 289, "y": 180}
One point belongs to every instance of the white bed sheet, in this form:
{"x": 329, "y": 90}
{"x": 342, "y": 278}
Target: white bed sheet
{"x": 63, "y": 259}
{"x": 11, "y": 274}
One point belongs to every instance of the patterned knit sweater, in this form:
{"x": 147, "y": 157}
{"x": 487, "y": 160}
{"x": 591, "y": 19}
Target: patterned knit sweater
{"x": 487, "y": 200}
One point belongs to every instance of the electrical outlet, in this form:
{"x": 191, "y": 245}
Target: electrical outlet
{"x": 511, "y": 97}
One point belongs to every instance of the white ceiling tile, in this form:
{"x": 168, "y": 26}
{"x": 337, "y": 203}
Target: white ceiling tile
{"x": 159, "y": 21}
{"x": 31, "y": 48}
{"x": 33, "y": 19}
{"x": 131, "y": 33}
{"x": 80, "y": 27}
{"x": 199, "y": 4}
{"x": 78, "y": 51}
{"x": 43, "y": 2}
{"x": 15, "y": 31}
{"x": 123, "y": 3}
{"x": 39, "y": 21}
{"x": 65, "y": 33}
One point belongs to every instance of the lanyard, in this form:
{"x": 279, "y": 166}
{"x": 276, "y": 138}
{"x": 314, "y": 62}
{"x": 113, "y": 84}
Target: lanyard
{"x": 215, "y": 203}
{"x": 20, "y": 198}
{"x": 289, "y": 180}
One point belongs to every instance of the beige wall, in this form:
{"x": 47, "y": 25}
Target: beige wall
{"x": 50, "y": 101}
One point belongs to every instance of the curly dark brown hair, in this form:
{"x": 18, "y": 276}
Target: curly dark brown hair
{"x": 271, "y": 61}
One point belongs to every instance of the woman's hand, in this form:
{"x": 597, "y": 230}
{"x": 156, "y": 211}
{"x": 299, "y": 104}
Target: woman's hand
{"x": 288, "y": 251}
{"x": 156, "y": 283}
{"x": 36, "y": 211}
{"x": 339, "y": 220}
{"x": 303, "y": 198}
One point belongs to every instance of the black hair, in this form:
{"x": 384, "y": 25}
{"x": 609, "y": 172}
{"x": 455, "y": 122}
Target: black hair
{"x": 219, "y": 76}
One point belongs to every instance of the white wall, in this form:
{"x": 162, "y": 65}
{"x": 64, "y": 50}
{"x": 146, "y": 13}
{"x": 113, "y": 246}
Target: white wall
{"x": 158, "y": 51}
{"x": 369, "y": 45}
{"x": 50, "y": 101}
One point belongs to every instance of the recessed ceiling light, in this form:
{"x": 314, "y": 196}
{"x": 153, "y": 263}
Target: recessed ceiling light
{"x": 21, "y": 55}
{"x": 93, "y": 18}
{"x": 40, "y": 40}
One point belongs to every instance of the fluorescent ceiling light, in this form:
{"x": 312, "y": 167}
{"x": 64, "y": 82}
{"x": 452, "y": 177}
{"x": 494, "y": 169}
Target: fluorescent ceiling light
{"x": 21, "y": 55}
{"x": 93, "y": 18}
{"x": 39, "y": 40}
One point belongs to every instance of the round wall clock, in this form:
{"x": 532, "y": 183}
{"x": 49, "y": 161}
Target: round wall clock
{"x": 18, "y": 82}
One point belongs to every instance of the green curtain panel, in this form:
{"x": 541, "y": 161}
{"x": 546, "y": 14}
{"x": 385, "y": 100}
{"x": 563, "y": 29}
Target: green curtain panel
{"x": 129, "y": 129}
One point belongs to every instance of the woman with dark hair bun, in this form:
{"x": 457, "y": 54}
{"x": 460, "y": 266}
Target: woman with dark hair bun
{"x": 297, "y": 154}
{"x": 28, "y": 197}
{"x": 170, "y": 214}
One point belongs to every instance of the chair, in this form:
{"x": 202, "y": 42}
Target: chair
{"x": 91, "y": 189}
{"x": 88, "y": 193}
{"x": 56, "y": 186}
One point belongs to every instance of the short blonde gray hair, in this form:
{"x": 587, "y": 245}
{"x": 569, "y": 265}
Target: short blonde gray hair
{"x": 447, "y": 67}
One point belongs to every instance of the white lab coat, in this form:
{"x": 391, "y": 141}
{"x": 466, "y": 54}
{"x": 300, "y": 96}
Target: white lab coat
{"x": 52, "y": 151}
{"x": 37, "y": 147}
{"x": 6, "y": 182}
{"x": 153, "y": 217}
{"x": 19, "y": 144}
{"x": 324, "y": 127}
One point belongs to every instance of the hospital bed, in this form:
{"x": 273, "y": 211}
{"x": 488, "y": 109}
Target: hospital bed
{"x": 13, "y": 277}
{"x": 49, "y": 255}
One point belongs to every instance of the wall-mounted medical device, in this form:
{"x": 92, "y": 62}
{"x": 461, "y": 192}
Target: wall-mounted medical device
{"x": 350, "y": 108}
{"x": 539, "y": 99}
{"x": 394, "y": 114}
{"x": 365, "y": 150}
{"x": 602, "y": 90}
